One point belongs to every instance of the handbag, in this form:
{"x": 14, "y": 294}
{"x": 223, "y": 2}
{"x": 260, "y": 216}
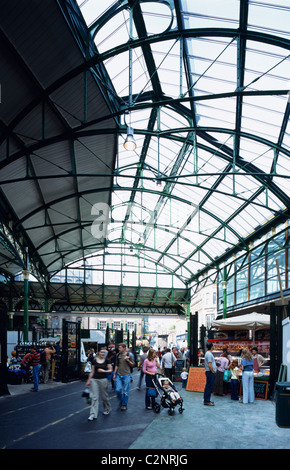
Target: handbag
{"x": 87, "y": 395}
{"x": 151, "y": 392}
{"x": 227, "y": 375}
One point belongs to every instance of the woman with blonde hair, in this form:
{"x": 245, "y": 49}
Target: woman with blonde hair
{"x": 150, "y": 366}
{"x": 247, "y": 364}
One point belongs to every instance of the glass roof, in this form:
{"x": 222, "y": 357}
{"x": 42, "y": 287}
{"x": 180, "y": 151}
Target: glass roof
{"x": 205, "y": 84}
{"x": 205, "y": 88}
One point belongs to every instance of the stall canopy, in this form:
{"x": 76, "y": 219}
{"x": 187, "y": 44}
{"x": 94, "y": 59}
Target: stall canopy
{"x": 252, "y": 321}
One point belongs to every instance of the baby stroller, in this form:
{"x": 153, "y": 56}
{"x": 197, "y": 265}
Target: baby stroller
{"x": 170, "y": 398}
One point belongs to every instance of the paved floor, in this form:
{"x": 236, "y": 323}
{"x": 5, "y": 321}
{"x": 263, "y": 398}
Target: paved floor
{"x": 227, "y": 425}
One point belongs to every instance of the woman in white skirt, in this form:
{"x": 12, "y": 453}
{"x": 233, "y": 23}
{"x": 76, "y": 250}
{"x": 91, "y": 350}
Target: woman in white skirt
{"x": 97, "y": 380}
{"x": 246, "y": 366}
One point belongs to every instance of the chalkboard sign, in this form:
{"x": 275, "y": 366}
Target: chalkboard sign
{"x": 260, "y": 388}
{"x": 178, "y": 369}
{"x": 196, "y": 379}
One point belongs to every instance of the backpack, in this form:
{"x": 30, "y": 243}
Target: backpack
{"x": 42, "y": 357}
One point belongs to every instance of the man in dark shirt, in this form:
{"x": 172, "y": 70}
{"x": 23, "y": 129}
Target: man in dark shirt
{"x": 35, "y": 362}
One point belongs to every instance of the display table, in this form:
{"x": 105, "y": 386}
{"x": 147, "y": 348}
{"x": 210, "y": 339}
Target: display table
{"x": 197, "y": 379}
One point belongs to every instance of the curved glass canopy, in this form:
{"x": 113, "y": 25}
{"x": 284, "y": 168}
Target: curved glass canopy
{"x": 205, "y": 84}
{"x": 205, "y": 88}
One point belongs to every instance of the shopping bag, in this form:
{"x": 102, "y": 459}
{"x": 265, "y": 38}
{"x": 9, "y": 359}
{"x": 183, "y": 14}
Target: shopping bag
{"x": 227, "y": 375}
{"x": 88, "y": 367}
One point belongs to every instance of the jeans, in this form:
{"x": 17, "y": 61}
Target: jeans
{"x": 149, "y": 401}
{"x": 248, "y": 387}
{"x": 123, "y": 388}
{"x": 140, "y": 378}
{"x": 210, "y": 378}
{"x": 35, "y": 374}
{"x": 184, "y": 383}
{"x": 234, "y": 389}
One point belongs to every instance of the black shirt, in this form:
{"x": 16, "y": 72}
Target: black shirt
{"x": 100, "y": 365}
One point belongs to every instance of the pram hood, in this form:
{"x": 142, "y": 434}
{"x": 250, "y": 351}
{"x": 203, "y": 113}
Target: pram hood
{"x": 161, "y": 379}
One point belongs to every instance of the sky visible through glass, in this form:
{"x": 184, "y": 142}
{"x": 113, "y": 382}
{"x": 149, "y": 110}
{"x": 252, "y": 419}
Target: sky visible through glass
{"x": 199, "y": 187}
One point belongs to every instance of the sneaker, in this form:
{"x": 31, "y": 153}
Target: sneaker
{"x": 33, "y": 390}
{"x": 106, "y": 413}
{"x": 209, "y": 403}
{"x": 91, "y": 418}
{"x": 123, "y": 408}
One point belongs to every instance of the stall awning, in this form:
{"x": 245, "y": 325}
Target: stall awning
{"x": 252, "y": 321}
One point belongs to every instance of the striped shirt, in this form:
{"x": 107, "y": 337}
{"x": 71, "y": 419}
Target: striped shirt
{"x": 35, "y": 358}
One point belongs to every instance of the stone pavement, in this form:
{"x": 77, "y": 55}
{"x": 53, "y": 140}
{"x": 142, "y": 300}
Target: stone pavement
{"x": 227, "y": 425}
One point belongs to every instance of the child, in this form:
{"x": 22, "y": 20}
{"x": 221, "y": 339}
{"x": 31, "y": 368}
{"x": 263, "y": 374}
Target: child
{"x": 184, "y": 376}
{"x": 171, "y": 392}
{"x": 234, "y": 379}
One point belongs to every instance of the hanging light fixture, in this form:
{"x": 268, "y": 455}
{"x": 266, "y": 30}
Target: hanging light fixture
{"x": 130, "y": 143}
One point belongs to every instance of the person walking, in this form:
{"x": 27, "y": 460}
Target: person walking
{"x": 49, "y": 351}
{"x": 36, "y": 367}
{"x": 25, "y": 364}
{"x": 112, "y": 354}
{"x": 140, "y": 366}
{"x": 168, "y": 363}
{"x": 247, "y": 363}
{"x": 150, "y": 366}
{"x": 122, "y": 375}
{"x": 210, "y": 372}
{"x": 97, "y": 380}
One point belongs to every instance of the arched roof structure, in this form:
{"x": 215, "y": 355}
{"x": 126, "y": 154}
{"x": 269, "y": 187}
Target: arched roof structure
{"x": 205, "y": 88}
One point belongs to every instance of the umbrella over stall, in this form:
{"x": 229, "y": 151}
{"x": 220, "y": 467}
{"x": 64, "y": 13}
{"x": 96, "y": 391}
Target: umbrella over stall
{"x": 253, "y": 321}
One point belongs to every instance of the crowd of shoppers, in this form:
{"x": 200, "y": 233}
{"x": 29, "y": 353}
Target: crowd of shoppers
{"x": 250, "y": 362}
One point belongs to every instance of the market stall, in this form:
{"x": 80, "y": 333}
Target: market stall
{"x": 234, "y": 333}
{"x": 250, "y": 322}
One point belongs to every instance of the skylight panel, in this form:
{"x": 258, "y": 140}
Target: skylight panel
{"x": 270, "y": 17}
{"x": 113, "y": 33}
{"x": 157, "y": 17}
{"x": 93, "y": 9}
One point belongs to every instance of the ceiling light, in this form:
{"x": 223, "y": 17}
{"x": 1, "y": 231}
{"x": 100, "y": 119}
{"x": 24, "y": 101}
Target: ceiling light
{"x": 130, "y": 143}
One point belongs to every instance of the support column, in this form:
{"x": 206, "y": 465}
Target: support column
{"x": 224, "y": 284}
{"x": 3, "y": 351}
{"x": 276, "y": 316}
{"x": 25, "y": 314}
{"x": 188, "y": 325}
{"x": 46, "y": 314}
{"x": 11, "y": 315}
{"x": 193, "y": 349}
